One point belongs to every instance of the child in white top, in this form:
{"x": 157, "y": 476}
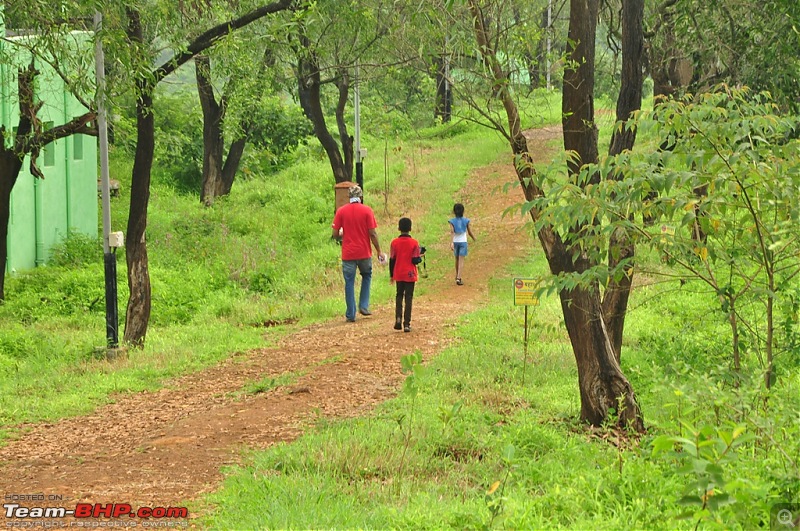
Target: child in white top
{"x": 459, "y": 228}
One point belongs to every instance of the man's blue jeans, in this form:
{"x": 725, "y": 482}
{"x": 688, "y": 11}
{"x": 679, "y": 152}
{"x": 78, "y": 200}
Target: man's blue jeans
{"x": 349, "y": 271}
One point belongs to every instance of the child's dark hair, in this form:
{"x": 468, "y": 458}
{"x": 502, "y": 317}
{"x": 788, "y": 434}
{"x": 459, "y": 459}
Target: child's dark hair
{"x": 404, "y": 225}
{"x": 458, "y": 210}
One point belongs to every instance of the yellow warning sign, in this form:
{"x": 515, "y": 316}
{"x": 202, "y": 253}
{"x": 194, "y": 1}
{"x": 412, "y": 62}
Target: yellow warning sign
{"x": 524, "y": 291}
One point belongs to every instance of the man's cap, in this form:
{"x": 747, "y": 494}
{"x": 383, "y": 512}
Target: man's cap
{"x": 355, "y": 192}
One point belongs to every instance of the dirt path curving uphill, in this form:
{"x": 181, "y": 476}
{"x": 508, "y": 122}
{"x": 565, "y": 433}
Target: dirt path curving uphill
{"x": 164, "y": 447}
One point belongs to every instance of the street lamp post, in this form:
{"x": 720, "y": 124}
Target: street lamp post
{"x": 109, "y": 255}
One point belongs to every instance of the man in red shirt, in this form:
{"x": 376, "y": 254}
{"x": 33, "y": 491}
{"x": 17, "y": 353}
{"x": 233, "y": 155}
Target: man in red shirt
{"x": 355, "y": 225}
{"x": 403, "y": 259}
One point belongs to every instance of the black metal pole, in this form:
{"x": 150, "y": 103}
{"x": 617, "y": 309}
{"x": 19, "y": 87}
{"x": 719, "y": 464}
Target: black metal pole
{"x": 360, "y": 174}
{"x": 112, "y": 316}
{"x": 109, "y": 256}
{"x": 525, "y": 347}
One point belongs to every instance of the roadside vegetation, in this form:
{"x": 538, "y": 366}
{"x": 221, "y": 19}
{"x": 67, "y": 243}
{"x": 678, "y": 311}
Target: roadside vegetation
{"x": 225, "y": 279}
{"x": 477, "y": 440}
{"x": 465, "y": 444}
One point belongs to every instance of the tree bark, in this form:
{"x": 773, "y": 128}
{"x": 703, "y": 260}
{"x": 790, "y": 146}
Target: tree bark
{"x": 630, "y": 93}
{"x": 231, "y": 166}
{"x": 602, "y": 384}
{"x": 542, "y": 60}
{"x": 11, "y": 159}
{"x": 580, "y": 131}
{"x": 213, "y": 140}
{"x": 137, "y": 316}
{"x": 343, "y": 85}
{"x": 621, "y": 249}
{"x": 309, "y": 84}
{"x": 10, "y": 166}
{"x": 442, "y": 108}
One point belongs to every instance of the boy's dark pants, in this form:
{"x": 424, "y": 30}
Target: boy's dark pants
{"x": 405, "y": 290}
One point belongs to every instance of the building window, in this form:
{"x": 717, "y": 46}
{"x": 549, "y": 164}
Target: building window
{"x": 49, "y": 149}
{"x": 77, "y": 147}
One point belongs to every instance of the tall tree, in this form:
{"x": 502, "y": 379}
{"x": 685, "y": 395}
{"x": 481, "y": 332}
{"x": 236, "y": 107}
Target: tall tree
{"x": 328, "y": 46}
{"x": 138, "y": 309}
{"x": 594, "y": 325}
{"x": 219, "y": 170}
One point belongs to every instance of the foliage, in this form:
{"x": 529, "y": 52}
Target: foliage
{"x": 721, "y": 204}
{"x": 731, "y": 42}
{"x": 77, "y": 249}
{"x": 179, "y": 140}
{"x": 728, "y": 447}
{"x": 514, "y": 457}
{"x": 277, "y": 129}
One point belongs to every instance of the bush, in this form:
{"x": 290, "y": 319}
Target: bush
{"x": 77, "y": 249}
{"x": 179, "y": 141}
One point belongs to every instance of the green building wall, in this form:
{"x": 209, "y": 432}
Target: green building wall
{"x": 43, "y": 211}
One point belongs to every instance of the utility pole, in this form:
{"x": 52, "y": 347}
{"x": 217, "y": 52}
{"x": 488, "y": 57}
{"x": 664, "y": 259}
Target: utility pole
{"x": 109, "y": 256}
{"x": 549, "y": 38}
{"x": 357, "y": 126}
{"x": 448, "y": 96}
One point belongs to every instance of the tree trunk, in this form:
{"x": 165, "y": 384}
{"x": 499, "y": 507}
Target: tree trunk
{"x": 442, "y": 109}
{"x": 10, "y": 166}
{"x": 621, "y": 250}
{"x": 235, "y": 152}
{"x": 630, "y": 93}
{"x": 11, "y": 160}
{"x": 343, "y": 85}
{"x": 600, "y": 377}
{"x": 218, "y": 171}
{"x": 309, "y": 91}
{"x": 138, "y": 313}
{"x": 213, "y": 141}
{"x": 537, "y": 69}
{"x": 580, "y": 131}
{"x": 603, "y": 386}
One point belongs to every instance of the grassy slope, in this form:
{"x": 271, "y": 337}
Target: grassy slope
{"x": 474, "y": 424}
{"x": 478, "y": 449}
{"x": 262, "y": 255}
{"x": 223, "y": 270}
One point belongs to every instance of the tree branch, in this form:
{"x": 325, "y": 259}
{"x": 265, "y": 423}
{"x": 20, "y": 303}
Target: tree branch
{"x": 210, "y": 37}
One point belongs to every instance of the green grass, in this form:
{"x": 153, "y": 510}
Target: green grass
{"x": 262, "y": 255}
{"x": 553, "y": 473}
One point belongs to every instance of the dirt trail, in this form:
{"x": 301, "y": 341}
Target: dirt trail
{"x": 165, "y": 447}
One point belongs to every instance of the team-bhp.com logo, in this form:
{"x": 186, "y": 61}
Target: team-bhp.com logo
{"x": 24, "y": 516}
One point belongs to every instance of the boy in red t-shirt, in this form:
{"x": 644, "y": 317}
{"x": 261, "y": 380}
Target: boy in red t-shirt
{"x": 403, "y": 260}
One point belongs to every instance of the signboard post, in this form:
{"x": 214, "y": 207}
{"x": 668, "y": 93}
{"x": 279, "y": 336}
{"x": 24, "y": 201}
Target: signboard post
{"x": 525, "y": 295}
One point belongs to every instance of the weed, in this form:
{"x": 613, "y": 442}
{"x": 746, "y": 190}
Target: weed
{"x": 495, "y": 499}
{"x": 411, "y": 365}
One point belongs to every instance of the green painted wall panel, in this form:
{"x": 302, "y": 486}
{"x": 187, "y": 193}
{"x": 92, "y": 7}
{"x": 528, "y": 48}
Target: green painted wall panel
{"x": 67, "y": 197}
{"x": 21, "y": 229}
{"x": 83, "y": 203}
